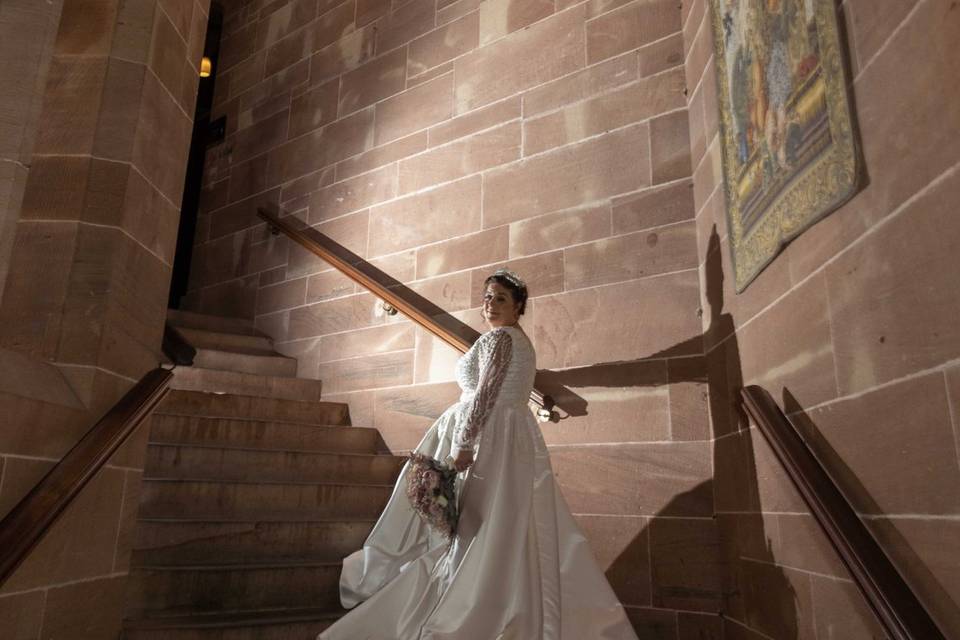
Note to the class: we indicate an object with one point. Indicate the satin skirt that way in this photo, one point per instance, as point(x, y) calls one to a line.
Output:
point(518, 569)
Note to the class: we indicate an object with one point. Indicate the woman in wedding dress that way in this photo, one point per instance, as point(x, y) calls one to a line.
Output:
point(518, 567)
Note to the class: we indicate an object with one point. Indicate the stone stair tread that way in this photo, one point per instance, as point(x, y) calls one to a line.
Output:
point(251, 520)
point(191, 320)
point(252, 565)
point(201, 404)
point(293, 450)
point(325, 483)
point(256, 361)
point(210, 339)
point(257, 352)
point(231, 618)
point(198, 378)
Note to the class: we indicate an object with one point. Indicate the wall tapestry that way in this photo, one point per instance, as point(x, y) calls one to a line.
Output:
point(789, 154)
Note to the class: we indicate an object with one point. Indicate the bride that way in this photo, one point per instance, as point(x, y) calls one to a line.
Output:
point(518, 568)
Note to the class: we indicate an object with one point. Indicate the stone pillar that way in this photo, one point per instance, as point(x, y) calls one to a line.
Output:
point(94, 244)
point(27, 31)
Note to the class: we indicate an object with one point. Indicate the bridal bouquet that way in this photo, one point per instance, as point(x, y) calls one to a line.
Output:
point(430, 487)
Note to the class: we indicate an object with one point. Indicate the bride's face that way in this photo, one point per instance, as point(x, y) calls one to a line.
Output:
point(499, 308)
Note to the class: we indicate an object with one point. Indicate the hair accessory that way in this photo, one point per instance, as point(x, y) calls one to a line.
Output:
point(512, 277)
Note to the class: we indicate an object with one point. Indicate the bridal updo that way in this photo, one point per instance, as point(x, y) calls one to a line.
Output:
point(512, 283)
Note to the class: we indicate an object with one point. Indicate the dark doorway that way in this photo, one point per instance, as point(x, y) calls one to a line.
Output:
point(203, 135)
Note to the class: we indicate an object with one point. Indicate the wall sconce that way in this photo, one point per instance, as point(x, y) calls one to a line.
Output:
point(206, 67)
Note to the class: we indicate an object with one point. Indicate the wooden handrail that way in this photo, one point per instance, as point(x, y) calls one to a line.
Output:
point(29, 520)
point(896, 606)
point(418, 309)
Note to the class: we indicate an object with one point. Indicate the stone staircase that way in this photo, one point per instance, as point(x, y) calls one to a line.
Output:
point(253, 492)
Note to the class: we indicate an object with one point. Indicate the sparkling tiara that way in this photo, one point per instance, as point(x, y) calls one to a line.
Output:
point(512, 277)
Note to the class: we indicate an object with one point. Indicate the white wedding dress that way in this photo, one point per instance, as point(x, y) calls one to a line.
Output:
point(519, 568)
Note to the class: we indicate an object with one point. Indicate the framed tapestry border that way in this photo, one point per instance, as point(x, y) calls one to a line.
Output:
point(760, 227)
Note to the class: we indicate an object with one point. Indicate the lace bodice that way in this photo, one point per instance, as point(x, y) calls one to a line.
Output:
point(497, 370)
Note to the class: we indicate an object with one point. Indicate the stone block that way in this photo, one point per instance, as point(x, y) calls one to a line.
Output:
point(777, 600)
point(334, 316)
point(630, 27)
point(633, 103)
point(499, 18)
point(366, 342)
point(237, 45)
point(670, 147)
point(575, 175)
point(71, 105)
point(627, 257)
point(86, 31)
point(133, 30)
point(604, 480)
point(444, 44)
point(467, 156)
point(284, 21)
point(88, 609)
point(81, 543)
point(653, 207)
point(463, 252)
point(284, 295)
point(558, 230)
point(841, 612)
point(251, 71)
point(417, 108)
point(353, 194)
point(313, 109)
point(685, 564)
point(297, 190)
point(334, 24)
point(315, 150)
point(119, 110)
point(661, 55)
point(694, 626)
point(162, 141)
point(346, 54)
point(168, 50)
point(804, 545)
point(581, 85)
point(284, 53)
point(370, 10)
point(655, 624)
point(587, 326)
point(248, 178)
point(406, 22)
point(373, 81)
point(477, 120)
point(384, 154)
point(622, 549)
point(689, 399)
point(21, 615)
point(328, 284)
point(547, 50)
point(56, 188)
point(885, 326)
point(349, 231)
point(804, 364)
point(887, 450)
point(448, 10)
point(435, 360)
point(368, 372)
point(264, 136)
point(447, 211)
point(242, 215)
point(872, 24)
point(609, 403)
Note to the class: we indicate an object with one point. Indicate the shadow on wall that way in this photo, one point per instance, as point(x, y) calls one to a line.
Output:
point(721, 565)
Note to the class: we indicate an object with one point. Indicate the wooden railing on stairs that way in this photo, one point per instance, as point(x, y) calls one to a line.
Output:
point(25, 525)
point(897, 607)
point(418, 309)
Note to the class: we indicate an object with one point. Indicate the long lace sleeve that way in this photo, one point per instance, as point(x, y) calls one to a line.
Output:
point(495, 358)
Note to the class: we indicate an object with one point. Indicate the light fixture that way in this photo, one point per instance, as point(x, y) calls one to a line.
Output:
point(206, 67)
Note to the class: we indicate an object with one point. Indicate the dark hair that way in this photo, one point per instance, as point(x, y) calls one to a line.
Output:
point(518, 293)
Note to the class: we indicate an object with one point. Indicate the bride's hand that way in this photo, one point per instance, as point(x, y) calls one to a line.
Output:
point(463, 460)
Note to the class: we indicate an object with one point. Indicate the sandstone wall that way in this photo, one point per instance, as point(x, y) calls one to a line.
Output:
point(85, 301)
point(440, 140)
point(852, 329)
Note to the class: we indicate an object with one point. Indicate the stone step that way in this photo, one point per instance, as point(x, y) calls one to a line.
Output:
point(268, 363)
point(189, 542)
point(216, 500)
point(220, 405)
point(239, 342)
point(263, 465)
point(247, 384)
point(220, 324)
point(278, 624)
point(235, 432)
point(172, 590)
